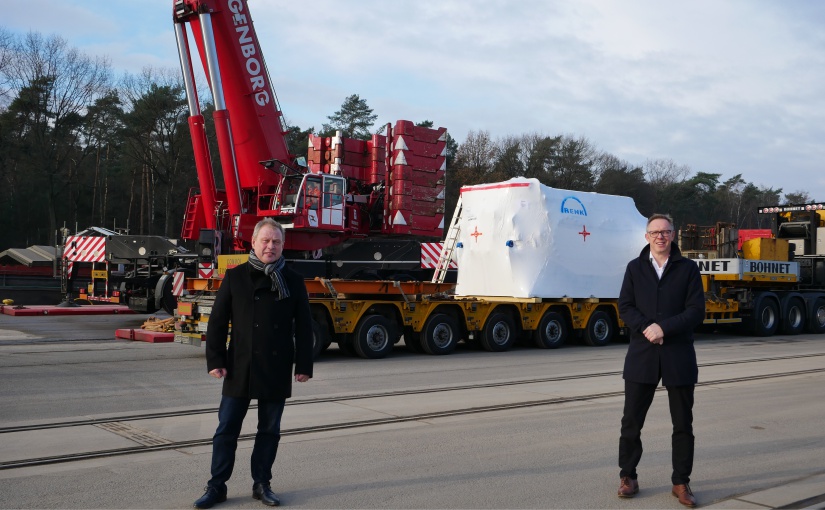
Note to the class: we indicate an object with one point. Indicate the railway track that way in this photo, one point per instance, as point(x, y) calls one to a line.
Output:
point(158, 444)
point(315, 400)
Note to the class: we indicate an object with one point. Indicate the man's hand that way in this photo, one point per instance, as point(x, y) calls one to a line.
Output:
point(301, 377)
point(217, 373)
point(654, 334)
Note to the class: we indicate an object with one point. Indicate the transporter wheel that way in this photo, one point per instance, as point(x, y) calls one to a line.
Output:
point(816, 317)
point(412, 341)
point(793, 316)
point(168, 301)
point(345, 342)
point(499, 333)
point(374, 337)
point(320, 339)
point(600, 329)
point(552, 331)
point(321, 318)
point(765, 318)
point(439, 334)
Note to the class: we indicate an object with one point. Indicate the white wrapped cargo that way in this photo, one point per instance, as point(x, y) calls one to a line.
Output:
point(523, 239)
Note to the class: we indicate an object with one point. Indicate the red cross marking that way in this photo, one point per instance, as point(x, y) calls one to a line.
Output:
point(476, 233)
point(584, 233)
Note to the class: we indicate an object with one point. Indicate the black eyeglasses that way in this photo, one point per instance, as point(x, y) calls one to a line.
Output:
point(659, 233)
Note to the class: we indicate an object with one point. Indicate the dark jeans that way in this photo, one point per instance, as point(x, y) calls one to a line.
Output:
point(225, 442)
point(637, 400)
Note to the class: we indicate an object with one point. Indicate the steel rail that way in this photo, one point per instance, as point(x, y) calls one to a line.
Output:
point(41, 461)
point(361, 396)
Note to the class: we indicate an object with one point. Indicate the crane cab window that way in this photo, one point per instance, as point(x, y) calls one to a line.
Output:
point(312, 192)
point(333, 191)
point(290, 188)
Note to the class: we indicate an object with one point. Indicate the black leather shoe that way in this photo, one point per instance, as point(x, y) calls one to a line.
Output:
point(209, 498)
point(263, 492)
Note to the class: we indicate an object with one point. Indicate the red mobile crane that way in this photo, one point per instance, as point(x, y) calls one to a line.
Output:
point(361, 188)
point(356, 208)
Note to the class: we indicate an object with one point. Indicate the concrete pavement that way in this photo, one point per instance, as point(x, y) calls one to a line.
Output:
point(759, 441)
point(551, 456)
point(805, 493)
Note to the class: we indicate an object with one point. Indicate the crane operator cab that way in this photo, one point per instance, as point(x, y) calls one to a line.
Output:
point(317, 197)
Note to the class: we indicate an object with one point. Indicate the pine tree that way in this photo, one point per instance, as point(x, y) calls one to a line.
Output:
point(354, 119)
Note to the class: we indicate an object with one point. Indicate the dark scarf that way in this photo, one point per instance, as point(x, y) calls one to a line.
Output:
point(273, 271)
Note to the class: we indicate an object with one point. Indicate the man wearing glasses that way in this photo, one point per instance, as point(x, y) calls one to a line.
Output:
point(662, 302)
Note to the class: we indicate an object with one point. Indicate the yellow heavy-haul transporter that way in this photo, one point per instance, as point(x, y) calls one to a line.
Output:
point(368, 318)
point(773, 284)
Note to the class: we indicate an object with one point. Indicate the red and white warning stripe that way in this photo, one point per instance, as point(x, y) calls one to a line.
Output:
point(205, 270)
point(177, 283)
point(84, 249)
point(430, 253)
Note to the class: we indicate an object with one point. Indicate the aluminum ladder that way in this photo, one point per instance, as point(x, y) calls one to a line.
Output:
point(447, 248)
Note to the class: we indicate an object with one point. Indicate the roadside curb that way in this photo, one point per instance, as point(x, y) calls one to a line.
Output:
point(803, 493)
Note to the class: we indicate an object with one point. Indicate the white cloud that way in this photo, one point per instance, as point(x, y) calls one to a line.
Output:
point(726, 87)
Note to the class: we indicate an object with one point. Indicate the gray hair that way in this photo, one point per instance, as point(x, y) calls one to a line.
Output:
point(659, 216)
point(268, 222)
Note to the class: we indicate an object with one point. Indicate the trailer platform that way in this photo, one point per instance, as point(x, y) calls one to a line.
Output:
point(29, 311)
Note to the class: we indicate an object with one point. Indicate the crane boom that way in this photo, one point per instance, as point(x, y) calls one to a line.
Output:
point(390, 185)
point(254, 130)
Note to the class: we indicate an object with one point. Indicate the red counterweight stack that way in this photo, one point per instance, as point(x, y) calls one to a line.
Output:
point(319, 156)
point(339, 156)
point(414, 184)
point(377, 163)
point(418, 162)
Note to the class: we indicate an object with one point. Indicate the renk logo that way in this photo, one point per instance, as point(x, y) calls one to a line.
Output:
point(574, 206)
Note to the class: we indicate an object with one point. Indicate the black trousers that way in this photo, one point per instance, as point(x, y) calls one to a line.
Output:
point(637, 400)
point(230, 417)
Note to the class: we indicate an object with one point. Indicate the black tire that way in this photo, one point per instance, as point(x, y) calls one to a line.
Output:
point(816, 317)
point(793, 316)
point(321, 318)
point(600, 329)
point(552, 331)
point(374, 337)
point(345, 341)
point(413, 341)
point(765, 317)
point(439, 334)
point(498, 333)
point(168, 301)
point(320, 339)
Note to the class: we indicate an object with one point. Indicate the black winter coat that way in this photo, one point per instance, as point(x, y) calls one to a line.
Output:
point(677, 304)
point(261, 351)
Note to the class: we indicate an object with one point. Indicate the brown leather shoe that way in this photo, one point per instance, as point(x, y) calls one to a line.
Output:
point(628, 487)
point(685, 495)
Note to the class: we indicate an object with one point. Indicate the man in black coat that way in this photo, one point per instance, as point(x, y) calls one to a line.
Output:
point(262, 298)
point(662, 302)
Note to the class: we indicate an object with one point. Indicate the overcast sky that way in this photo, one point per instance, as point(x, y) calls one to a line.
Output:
point(721, 86)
